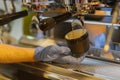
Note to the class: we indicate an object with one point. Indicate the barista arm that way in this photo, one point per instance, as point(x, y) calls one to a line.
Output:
point(12, 54)
point(59, 54)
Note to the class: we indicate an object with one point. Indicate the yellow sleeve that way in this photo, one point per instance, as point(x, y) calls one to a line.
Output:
point(12, 54)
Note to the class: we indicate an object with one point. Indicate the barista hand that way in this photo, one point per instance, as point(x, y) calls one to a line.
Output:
point(55, 53)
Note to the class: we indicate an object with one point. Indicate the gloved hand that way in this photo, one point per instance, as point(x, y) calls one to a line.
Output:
point(56, 53)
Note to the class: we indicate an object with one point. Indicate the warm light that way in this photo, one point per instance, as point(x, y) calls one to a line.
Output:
point(57, 77)
point(106, 47)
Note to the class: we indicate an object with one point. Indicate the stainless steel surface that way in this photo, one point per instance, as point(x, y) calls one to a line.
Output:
point(45, 70)
point(53, 72)
point(90, 68)
point(97, 67)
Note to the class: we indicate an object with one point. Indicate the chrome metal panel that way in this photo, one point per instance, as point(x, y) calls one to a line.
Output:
point(90, 68)
point(53, 72)
point(97, 67)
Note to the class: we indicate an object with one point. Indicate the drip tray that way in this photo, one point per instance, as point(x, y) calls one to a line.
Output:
point(100, 68)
